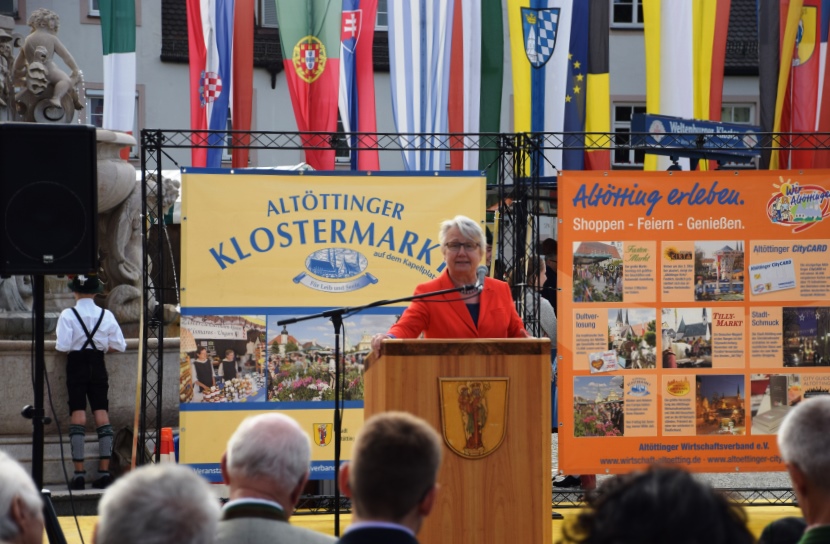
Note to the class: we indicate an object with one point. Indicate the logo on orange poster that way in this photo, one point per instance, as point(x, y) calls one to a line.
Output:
point(679, 388)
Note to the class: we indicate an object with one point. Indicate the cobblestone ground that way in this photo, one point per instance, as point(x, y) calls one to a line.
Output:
point(753, 480)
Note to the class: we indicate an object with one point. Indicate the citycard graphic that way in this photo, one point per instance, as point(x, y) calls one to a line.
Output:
point(772, 276)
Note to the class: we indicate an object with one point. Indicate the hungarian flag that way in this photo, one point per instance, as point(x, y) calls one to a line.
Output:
point(357, 81)
point(210, 39)
point(540, 38)
point(420, 39)
point(310, 40)
point(118, 38)
point(476, 79)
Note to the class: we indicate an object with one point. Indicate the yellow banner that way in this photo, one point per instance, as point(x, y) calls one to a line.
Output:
point(260, 248)
point(280, 240)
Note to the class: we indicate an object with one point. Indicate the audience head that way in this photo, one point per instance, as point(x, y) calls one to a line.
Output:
point(268, 455)
point(804, 442)
point(661, 504)
point(21, 508)
point(158, 504)
point(393, 471)
point(783, 531)
point(536, 273)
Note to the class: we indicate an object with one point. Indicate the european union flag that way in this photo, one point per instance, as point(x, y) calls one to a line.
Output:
point(575, 92)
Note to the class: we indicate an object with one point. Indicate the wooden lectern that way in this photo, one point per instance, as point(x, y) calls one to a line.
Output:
point(496, 475)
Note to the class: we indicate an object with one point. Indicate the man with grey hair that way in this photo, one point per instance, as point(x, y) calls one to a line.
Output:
point(391, 479)
point(804, 441)
point(266, 465)
point(158, 504)
point(21, 507)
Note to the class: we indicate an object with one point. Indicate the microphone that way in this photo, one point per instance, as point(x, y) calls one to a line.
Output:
point(481, 272)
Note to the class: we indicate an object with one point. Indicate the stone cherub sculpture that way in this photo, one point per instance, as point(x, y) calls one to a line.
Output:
point(49, 94)
point(121, 249)
point(7, 40)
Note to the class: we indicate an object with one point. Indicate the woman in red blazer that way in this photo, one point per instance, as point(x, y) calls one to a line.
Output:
point(488, 314)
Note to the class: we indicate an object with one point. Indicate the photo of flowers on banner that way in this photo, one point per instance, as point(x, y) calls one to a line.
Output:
point(301, 357)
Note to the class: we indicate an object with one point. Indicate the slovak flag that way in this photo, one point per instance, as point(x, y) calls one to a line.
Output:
point(356, 98)
point(210, 38)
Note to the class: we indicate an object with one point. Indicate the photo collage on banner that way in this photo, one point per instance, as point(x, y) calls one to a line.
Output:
point(699, 315)
point(264, 251)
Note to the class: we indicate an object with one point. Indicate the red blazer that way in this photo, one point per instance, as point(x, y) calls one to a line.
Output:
point(497, 317)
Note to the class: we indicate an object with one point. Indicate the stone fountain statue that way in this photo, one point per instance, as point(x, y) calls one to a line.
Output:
point(48, 94)
point(37, 89)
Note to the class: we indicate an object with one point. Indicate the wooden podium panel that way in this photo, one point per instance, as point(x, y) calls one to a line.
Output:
point(504, 496)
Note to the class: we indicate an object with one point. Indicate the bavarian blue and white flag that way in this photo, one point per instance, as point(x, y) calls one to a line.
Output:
point(420, 35)
point(540, 36)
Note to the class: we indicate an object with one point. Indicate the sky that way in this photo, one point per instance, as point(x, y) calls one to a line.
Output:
point(723, 385)
point(635, 315)
point(588, 386)
point(321, 329)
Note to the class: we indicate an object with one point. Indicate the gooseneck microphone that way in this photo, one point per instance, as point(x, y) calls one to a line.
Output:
point(481, 273)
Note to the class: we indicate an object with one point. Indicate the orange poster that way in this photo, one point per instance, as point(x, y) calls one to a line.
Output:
point(698, 309)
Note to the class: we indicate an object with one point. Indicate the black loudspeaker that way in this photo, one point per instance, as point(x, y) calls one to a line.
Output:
point(48, 199)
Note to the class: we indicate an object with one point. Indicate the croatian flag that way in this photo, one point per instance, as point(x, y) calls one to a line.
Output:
point(357, 80)
point(210, 35)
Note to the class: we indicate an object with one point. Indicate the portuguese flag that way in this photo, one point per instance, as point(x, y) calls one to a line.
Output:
point(118, 37)
point(310, 40)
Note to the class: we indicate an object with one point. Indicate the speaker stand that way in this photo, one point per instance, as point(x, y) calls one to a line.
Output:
point(37, 413)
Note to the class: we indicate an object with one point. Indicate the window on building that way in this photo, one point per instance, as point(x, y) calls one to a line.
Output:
point(10, 8)
point(227, 152)
point(623, 157)
point(266, 13)
point(743, 114)
point(93, 9)
point(94, 115)
point(626, 13)
point(382, 20)
point(342, 149)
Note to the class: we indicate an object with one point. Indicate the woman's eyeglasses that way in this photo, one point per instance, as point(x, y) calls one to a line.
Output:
point(455, 247)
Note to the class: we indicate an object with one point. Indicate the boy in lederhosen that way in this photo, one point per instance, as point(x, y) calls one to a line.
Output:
point(86, 332)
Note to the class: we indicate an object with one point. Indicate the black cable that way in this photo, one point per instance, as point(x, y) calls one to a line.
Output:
point(63, 459)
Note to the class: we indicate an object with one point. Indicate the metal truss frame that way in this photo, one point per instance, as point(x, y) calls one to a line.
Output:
point(517, 183)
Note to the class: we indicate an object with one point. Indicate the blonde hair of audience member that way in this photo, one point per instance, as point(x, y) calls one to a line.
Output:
point(158, 504)
point(393, 471)
point(268, 456)
point(21, 507)
point(804, 442)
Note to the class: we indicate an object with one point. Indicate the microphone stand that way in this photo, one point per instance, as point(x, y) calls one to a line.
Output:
point(336, 316)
